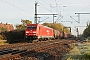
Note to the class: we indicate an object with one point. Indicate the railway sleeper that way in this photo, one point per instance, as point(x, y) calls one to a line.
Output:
point(18, 52)
point(6, 51)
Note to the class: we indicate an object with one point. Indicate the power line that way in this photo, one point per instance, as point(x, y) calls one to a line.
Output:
point(43, 20)
point(46, 2)
point(15, 6)
point(45, 7)
point(57, 6)
point(84, 8)
point(74, 19)
point(57, 10)
point(48, 5)
point(51, 5)
point(59, 18)
point(79, 16)
point(24, 4)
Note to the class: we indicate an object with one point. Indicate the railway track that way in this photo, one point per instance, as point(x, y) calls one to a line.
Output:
point(39, 50)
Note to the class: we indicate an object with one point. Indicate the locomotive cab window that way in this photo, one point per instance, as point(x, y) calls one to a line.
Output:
point(34, 27)
point(31, 27)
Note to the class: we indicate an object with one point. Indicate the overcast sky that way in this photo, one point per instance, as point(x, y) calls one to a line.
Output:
point(12, 11)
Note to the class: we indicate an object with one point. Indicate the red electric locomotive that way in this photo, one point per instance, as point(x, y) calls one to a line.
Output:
point(37, 31)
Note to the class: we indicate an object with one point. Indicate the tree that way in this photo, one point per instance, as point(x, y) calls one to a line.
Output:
point(23, 25)
point(57, 26)
point(2, 29)
point(86, 32)
point(25, 22)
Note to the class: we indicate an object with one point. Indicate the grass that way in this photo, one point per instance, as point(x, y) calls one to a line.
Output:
point(80, 52)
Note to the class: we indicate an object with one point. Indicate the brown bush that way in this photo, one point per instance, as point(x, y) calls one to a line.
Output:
point(1, 37)
point(13, 36)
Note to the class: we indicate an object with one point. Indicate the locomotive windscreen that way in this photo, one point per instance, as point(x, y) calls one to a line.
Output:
point(31, 27)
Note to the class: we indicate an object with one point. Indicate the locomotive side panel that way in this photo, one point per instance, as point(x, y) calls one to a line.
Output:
point(45, 32)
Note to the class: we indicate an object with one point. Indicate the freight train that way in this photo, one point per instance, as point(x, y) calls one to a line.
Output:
point(38, 31)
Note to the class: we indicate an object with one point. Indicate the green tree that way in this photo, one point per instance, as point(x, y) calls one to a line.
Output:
point(23, 25)
point(2, 29)
point(57, 26)
point(20, 27)
point(86, 32)
point(25, 22)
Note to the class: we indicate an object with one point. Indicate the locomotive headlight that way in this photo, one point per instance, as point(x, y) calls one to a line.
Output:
point(34, 32)
point(27, 32)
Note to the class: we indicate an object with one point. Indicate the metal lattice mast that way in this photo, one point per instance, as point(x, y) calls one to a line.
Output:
point(35, 21)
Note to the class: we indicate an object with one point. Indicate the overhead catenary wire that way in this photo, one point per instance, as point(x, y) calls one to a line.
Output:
point(24, 4)
point(44, 6)
point(57, 6)
point(50, 10)
point(49, 4)
point(46, 2)
point(15, 6)
point(57, 10)
point(59, 18)
point(59, 13)
point(85, 7)
point(74, 19)
point(43, 20)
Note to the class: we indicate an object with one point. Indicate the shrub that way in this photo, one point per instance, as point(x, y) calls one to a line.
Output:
point(1, 37)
